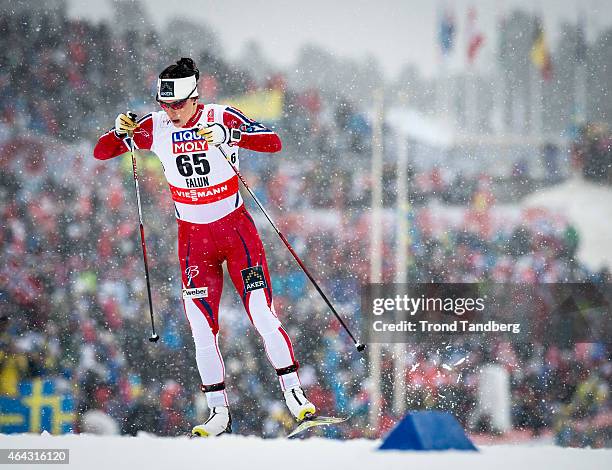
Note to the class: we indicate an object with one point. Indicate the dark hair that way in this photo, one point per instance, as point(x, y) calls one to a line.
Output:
point(185, 67)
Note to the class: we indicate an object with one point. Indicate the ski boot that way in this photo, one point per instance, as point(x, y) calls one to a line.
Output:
point(219, 422)
point(298, 404)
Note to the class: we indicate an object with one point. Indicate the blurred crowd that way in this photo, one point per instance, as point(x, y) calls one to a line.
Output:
point(73, 303)
point(592, 152)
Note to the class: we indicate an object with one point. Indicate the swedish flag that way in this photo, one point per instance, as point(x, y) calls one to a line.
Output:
point(37, 407)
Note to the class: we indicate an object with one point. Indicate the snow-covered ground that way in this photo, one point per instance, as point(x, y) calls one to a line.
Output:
point(238, 452)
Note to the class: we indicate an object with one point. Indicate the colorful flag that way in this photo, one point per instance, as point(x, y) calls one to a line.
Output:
point(540, 55)
point(475, 37)
point(447, 32)
point(37, 407)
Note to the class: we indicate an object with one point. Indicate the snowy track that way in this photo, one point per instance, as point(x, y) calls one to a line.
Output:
point(238, 452)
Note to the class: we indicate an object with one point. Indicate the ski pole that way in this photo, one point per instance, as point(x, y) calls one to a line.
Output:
point(360, 347)
point(154, 336)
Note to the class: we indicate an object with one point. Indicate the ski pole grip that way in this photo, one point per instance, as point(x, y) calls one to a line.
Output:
point(133, 116)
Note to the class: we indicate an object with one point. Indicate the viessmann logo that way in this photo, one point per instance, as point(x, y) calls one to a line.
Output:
point(188, 141)
point(199, 195)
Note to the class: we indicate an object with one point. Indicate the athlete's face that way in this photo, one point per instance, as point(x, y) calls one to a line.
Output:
point(181, 115)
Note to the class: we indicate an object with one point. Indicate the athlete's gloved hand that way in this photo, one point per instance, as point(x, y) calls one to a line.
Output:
point(126, 124)
point(215, 134)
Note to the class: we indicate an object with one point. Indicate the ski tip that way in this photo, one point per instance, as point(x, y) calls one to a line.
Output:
point(313, 421)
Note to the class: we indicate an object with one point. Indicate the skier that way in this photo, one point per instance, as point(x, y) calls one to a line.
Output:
point(190, 139)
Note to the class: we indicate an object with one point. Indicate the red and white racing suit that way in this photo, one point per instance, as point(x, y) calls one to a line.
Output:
point(213, 227)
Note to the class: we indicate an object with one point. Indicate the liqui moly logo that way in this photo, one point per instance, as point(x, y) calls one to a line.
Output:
point(188, 141)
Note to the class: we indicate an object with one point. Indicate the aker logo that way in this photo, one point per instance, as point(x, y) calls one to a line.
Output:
point(188, 141)
point(253, 278)
point(195, 293)
point(166, 89)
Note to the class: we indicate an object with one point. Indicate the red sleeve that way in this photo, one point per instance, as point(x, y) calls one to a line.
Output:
point(110, 145)
point(255, 136)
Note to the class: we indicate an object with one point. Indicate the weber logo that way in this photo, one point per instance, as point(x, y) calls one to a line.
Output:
point(195, 293)
point(166, 89)
point(253, 278)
